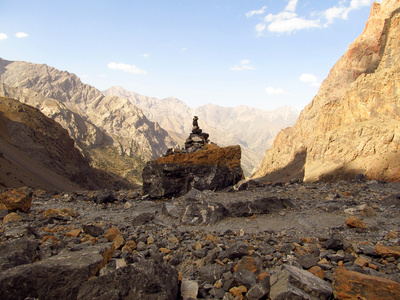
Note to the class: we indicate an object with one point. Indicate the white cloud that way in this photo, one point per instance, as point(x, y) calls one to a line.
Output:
point(21, 35)
point(276, 91)
point(84, 76)
point(3, 36)
point(256, 12)
point(146, 55)
point(310, 79)
point(291, 5)
point(288, 21)
point(244, 65)
point(126, 68)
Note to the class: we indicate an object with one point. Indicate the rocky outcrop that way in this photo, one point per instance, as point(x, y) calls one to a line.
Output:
point(112, 133)
point(214, 168)
point(253, 129)
point(352, 125)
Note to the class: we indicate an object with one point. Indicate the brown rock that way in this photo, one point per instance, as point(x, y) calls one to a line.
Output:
point(362, 261)
point(130, 246)
point(385, 251)
point(50, 237)
point(119, 241)
point(12, 217)
point(214, 168)
point(112, 233)
point(238, 290)
point(246, 263)
point(355, 222)
point(354, 285)
point(61, 213)
point(317, 271)
point(16, 199)
point(73, 233)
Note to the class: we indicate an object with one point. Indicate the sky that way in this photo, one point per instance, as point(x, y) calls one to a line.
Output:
point(260, 53)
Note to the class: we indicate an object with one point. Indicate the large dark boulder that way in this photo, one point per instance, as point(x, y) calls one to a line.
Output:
point(146, 279)
point(58, 277)
point(214, 168)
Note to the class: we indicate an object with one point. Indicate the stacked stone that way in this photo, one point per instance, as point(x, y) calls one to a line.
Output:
point(197, 139)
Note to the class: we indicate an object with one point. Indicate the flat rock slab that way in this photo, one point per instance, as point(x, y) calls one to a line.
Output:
point(290, 282)
point(58, 277)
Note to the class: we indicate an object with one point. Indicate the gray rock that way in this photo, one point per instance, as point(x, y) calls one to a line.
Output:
point(146, 279)
point(257, 291)
point(15, 252)
point(307, 261)
point(92, 230)
point(237, 250)
point(211, 273)
point(58, 277)
point(245, 277)
point(189, 289)
point(289, 282)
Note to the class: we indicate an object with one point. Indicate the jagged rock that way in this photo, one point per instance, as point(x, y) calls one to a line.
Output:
point(58, 277)
point(214, 168)
point(146, 279)
point(15, 252)
point(189, 289)
point(354, 285)
point(289, 282)
point(352, 125)
point(16, 199)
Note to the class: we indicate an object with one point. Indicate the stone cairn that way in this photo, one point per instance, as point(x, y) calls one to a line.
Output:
point(195, 142)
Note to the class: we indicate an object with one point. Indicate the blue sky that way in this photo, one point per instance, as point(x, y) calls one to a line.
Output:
point(261, 53)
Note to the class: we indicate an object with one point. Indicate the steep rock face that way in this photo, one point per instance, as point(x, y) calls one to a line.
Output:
point(253, 129)
point(352, 125)
point(36, 151)
point(109, 130)
point(214, 168)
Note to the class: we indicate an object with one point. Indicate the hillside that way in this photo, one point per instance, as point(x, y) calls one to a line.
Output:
point(253, 129)
point(36, 151)
point(111, 132)
point(352, 125)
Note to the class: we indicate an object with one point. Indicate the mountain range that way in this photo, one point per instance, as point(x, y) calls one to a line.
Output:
point(253, 129)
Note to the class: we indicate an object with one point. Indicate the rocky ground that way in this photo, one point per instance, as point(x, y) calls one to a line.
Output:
point(290, 241)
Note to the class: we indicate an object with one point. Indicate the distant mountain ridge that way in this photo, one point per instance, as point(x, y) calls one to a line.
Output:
point(253, 129)
point(111, 132)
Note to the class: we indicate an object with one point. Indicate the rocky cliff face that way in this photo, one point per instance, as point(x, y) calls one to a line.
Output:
point(252, 129)
point(113, 133)
point(36, 151)
point(352, 125)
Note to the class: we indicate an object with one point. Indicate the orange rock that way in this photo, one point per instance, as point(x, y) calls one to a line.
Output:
point(119, 241)
point(317, 271)
point(354, 285)
point(246, 263)
point(165, 250)
point(355, 222)
point(112, 233)
point(392, 235)
point(262, 276)
point(238, 290)
point(362, 261)
point(197, 246)
point(16, 199)
point(73, 233)
point(385, 251)
point(210, 237)
point(130, 246)
point(11, 217)
point(47, 237)
point(61, 213)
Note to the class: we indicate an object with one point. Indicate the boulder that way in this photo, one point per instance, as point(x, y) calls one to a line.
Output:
point(146, 279)
point(16, 199)
point(15, 252)
point(289, 282)
point(58, 277)
point(355, 285)
point(214, 168)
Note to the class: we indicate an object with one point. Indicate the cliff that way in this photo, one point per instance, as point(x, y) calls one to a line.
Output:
point(352, 124)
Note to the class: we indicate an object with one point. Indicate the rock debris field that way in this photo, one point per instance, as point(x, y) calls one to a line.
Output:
point(283, 241)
